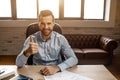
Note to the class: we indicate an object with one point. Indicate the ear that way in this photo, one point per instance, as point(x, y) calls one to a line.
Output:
point(53, 25)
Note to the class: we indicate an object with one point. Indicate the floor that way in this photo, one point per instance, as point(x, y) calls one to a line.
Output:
point(114, 70)
point(7, 60)
point(10, 60)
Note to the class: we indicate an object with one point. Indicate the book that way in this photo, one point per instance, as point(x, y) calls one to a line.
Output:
point(21, 77)
point(6, 71)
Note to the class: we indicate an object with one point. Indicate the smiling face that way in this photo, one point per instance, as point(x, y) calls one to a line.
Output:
point(46, 25)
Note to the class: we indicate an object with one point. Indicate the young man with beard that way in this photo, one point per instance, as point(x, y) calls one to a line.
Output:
point(45, 46)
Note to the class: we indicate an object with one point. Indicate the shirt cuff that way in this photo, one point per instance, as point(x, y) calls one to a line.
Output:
point(62, 66)
point(21, 60)
point(24, 58)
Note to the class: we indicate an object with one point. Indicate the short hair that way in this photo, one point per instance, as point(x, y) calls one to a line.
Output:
point(44, 13)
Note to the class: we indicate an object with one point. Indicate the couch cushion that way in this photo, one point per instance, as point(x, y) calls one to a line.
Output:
point(79, 53)
point(95, 53)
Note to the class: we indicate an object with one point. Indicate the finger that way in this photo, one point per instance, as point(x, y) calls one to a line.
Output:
point(35, 51)
point(42, 70)
point(31, 38)
point(34, 48)
point(46, 72)
point(34, 45)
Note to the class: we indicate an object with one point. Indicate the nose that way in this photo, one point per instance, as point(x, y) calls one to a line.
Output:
point(45, 26)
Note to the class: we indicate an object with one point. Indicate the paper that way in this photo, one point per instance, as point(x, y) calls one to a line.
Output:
point(7, 71)
point(66, 75)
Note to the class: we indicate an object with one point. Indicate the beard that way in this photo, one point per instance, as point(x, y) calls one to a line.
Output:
point(46, 32)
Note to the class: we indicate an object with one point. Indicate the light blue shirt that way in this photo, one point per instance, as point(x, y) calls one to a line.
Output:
point(49, 52)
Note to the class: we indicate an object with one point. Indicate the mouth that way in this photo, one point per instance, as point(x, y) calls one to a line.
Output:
point(46, 32)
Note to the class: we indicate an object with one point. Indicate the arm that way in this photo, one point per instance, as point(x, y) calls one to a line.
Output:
point(29, 48)
point(108, 44)
point(71, 59)
point(21, 58)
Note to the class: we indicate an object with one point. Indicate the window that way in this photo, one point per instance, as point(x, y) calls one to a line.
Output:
point(93, 9)
point(26, 9)
point(62, 9)
point(5, 8)
point(72, 8)
point(52, 5)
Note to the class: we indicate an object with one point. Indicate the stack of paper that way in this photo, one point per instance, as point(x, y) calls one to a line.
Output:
point(6, 71)
point(66, 75)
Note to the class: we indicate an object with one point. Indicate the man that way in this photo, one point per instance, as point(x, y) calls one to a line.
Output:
point(46, 47)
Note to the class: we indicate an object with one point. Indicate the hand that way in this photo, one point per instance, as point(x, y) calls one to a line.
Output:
point(49, 70)
point(32, 49)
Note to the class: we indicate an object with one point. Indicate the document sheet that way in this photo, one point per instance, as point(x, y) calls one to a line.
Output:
point(66, 75)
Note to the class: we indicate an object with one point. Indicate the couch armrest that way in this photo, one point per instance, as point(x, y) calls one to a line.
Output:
point(108, 44)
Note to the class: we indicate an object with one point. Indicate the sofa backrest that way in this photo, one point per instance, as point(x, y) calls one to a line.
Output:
point(83, 40)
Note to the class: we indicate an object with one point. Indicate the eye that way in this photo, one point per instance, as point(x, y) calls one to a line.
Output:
point(42, 23)
point(49, 23)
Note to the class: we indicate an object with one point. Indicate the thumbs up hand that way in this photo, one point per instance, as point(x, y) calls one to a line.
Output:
point(32, 49)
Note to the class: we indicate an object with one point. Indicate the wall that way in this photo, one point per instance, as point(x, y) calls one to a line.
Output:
point(11, 40)
point(117, 32)
point(12, 37)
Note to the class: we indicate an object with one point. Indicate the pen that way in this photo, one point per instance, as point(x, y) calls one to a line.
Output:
point(1, 72)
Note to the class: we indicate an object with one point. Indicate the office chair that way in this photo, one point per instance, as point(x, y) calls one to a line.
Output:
point(32, 28)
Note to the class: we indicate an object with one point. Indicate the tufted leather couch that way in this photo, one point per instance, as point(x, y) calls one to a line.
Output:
point(92, 48)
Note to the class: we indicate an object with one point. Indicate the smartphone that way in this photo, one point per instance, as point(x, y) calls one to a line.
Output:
point(21, 77)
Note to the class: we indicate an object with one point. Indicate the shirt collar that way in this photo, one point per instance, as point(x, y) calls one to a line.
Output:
point(52, 36)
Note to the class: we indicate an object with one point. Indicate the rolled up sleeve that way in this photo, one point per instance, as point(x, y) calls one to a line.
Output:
point(70, 56)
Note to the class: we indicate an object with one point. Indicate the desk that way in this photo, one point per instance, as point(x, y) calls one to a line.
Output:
point(96, 72)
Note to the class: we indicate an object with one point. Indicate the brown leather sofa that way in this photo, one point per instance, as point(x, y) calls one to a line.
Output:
point(92, 48)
